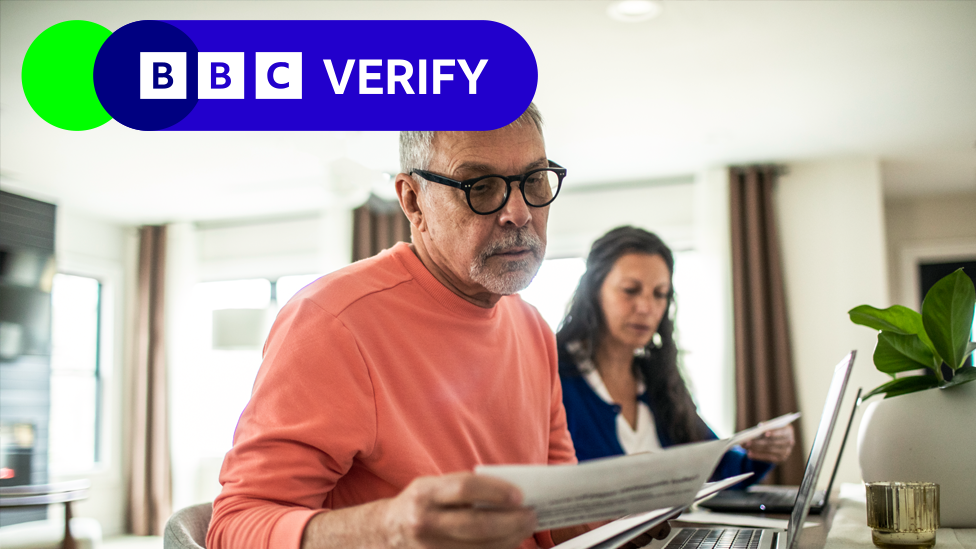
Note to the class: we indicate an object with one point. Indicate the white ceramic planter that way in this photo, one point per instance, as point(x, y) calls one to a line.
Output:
point(929, 436)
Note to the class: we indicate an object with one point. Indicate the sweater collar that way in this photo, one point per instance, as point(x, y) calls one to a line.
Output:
point(440, 293)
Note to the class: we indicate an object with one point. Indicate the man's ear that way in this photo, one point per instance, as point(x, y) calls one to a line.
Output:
point(408, 191)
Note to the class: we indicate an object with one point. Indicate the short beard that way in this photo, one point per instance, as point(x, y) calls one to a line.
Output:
point(518, 274)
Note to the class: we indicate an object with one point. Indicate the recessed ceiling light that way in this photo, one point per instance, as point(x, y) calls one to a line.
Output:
point(633, 10)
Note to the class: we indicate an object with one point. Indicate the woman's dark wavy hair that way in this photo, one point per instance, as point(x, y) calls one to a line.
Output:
point(658, 367)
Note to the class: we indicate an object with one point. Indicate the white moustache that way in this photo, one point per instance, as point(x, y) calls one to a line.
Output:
point(520, 238)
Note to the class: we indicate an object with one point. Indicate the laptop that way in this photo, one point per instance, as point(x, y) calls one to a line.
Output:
point(768, 538)
point(761, 498)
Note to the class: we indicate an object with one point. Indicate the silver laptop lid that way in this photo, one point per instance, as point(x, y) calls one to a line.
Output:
point(815, 462)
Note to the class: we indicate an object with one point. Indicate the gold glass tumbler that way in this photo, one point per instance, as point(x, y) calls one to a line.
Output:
point(903, 514)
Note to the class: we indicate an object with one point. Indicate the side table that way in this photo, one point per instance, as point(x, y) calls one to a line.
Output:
point(32, 495)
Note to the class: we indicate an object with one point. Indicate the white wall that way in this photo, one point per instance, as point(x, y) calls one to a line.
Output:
point(711, 374)
point(309, 243)
point(580, 216)
point(97, 249)
point(831, 218)
point(930, 227)
point(181, 360)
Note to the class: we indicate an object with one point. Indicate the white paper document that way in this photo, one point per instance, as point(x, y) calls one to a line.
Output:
point(762, 427)
point(565, 495)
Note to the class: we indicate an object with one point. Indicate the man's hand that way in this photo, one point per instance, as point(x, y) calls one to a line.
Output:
point(441, 512)
point(459, 510)
point(773, 446)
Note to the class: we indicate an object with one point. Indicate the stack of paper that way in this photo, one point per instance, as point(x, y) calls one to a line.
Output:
point(645, 489)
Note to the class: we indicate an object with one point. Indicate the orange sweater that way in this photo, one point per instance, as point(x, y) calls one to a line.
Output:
point(375, 375)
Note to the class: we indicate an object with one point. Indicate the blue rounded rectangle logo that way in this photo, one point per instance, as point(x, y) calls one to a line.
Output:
point(315, 75)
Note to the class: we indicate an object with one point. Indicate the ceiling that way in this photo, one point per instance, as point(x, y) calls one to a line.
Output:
point(704, 84)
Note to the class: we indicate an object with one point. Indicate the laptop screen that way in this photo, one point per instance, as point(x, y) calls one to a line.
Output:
point(843, 443)
point(819, 451)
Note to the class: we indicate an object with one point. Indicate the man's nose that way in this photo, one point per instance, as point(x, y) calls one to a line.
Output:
point(515, 210)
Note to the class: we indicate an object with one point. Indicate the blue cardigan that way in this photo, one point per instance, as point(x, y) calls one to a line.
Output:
point(593, 427)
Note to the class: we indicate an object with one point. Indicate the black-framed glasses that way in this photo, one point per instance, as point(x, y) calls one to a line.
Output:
point(488, 193)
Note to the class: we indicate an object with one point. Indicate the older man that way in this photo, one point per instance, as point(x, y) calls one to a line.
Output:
point(385, 383)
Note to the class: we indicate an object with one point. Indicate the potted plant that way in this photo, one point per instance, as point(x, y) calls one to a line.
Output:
point(926, 432)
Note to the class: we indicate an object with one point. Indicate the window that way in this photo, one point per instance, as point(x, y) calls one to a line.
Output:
point(222, 343)
point(930, 272)
point(75, 383)
point(553, 287)
point(287, 286)
point(231, 323)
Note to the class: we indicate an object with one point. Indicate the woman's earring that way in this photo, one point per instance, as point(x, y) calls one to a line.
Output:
point(656, 340)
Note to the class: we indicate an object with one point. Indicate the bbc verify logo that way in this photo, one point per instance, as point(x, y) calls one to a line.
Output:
point(278, 75)
point(163, 75)
point(294, 75)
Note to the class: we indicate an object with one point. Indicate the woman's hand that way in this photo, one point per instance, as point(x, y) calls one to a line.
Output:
point(773, 446)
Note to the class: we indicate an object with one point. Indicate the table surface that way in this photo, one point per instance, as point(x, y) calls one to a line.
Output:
point(849, 529)
point(844, 525)
point(30, 495)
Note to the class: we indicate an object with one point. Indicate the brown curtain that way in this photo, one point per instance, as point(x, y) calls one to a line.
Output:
point(377, 225)
point(763, 360)
point(150, 489)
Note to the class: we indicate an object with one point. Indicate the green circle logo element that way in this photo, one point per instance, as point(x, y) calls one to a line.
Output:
point(57, 75)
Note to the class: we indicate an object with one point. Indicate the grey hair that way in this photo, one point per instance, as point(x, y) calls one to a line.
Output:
point(416, 148)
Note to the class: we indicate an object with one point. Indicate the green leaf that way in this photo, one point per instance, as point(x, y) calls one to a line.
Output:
point(897, 319)
point(903, 386)
point(895, 353)
point(962, 375)
point(919, 383)
point(910, 346)
point(947, 314)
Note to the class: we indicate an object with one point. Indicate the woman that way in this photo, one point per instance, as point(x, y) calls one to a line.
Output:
point(619, 364)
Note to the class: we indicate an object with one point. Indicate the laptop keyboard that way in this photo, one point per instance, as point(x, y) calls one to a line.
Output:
point(718, 538)
point(785, 498)
point(770, 499)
